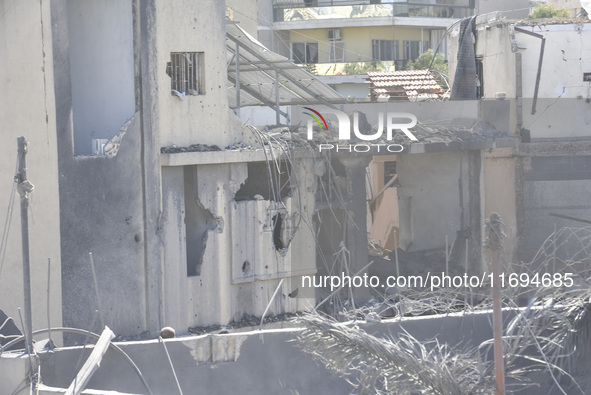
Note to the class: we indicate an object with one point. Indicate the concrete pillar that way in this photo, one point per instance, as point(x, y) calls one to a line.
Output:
point(356, 225)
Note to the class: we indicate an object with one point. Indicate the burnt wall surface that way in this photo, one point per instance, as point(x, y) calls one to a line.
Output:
point(101, 212)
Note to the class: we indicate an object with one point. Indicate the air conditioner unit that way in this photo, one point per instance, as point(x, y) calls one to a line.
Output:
point(334, 34)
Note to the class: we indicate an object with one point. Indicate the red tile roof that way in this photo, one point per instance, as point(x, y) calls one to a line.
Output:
point(404, 85)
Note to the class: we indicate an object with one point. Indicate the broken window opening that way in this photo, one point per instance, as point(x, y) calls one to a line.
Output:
point(278, 241)
point(262, 185)
point(185, 70)
point(198, 223)
point(101, 70)
point(383, 221)
point(479, 77)
point(389, 172)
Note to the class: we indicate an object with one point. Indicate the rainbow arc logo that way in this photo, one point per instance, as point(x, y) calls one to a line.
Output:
point(316, 118)
point(389, 123)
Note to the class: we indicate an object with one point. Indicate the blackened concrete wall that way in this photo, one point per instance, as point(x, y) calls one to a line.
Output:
point(102, 205)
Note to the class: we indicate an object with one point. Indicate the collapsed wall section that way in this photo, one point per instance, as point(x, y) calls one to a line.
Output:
point(245, 247)
point(102, 214)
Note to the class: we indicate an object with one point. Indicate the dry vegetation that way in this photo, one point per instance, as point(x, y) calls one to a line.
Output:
point(544, 340)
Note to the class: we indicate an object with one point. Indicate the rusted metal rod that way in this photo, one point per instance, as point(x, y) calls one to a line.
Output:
point(494, 244)
point(24, 187)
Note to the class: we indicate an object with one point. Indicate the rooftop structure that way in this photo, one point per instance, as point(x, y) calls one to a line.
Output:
point(413, 85)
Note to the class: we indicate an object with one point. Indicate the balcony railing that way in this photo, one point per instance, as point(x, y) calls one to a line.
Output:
point(322, 10)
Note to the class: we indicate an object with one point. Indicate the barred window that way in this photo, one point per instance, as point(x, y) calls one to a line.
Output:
point(186, 73)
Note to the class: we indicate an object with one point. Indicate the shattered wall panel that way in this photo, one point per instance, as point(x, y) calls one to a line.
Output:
point(247, 250)
point(257, 254)
point(249, 220)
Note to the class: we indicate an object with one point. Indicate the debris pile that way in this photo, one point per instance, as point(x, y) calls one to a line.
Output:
point(296, 137)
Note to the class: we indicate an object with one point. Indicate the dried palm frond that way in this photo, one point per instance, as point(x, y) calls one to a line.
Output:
point(547, 336)
point(550, 333)
point(392, 366)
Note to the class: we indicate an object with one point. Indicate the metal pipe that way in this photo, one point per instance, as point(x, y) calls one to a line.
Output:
point(497, 324)
point(461, 189)
point(518, 92)
point(96, 291)
point(585, 221)
point(446, 254)
point(396, 253)
point(412, 219)
point(277, 101)
point(554, 249)
point(27, 340)
point(538, 76)
point(237, 54)
point(176, 379)
point(48, 302)
point(540, 61)
point(24, 187)
point(270, 301)
point(494, 244)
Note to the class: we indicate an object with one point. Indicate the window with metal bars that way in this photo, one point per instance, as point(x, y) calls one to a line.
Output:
point(186, 73)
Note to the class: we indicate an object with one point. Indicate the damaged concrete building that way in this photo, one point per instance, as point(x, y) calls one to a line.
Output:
point(535, 74)
point(133, 110)
point(159, 207)
point(435, 189)
point(186, 220)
